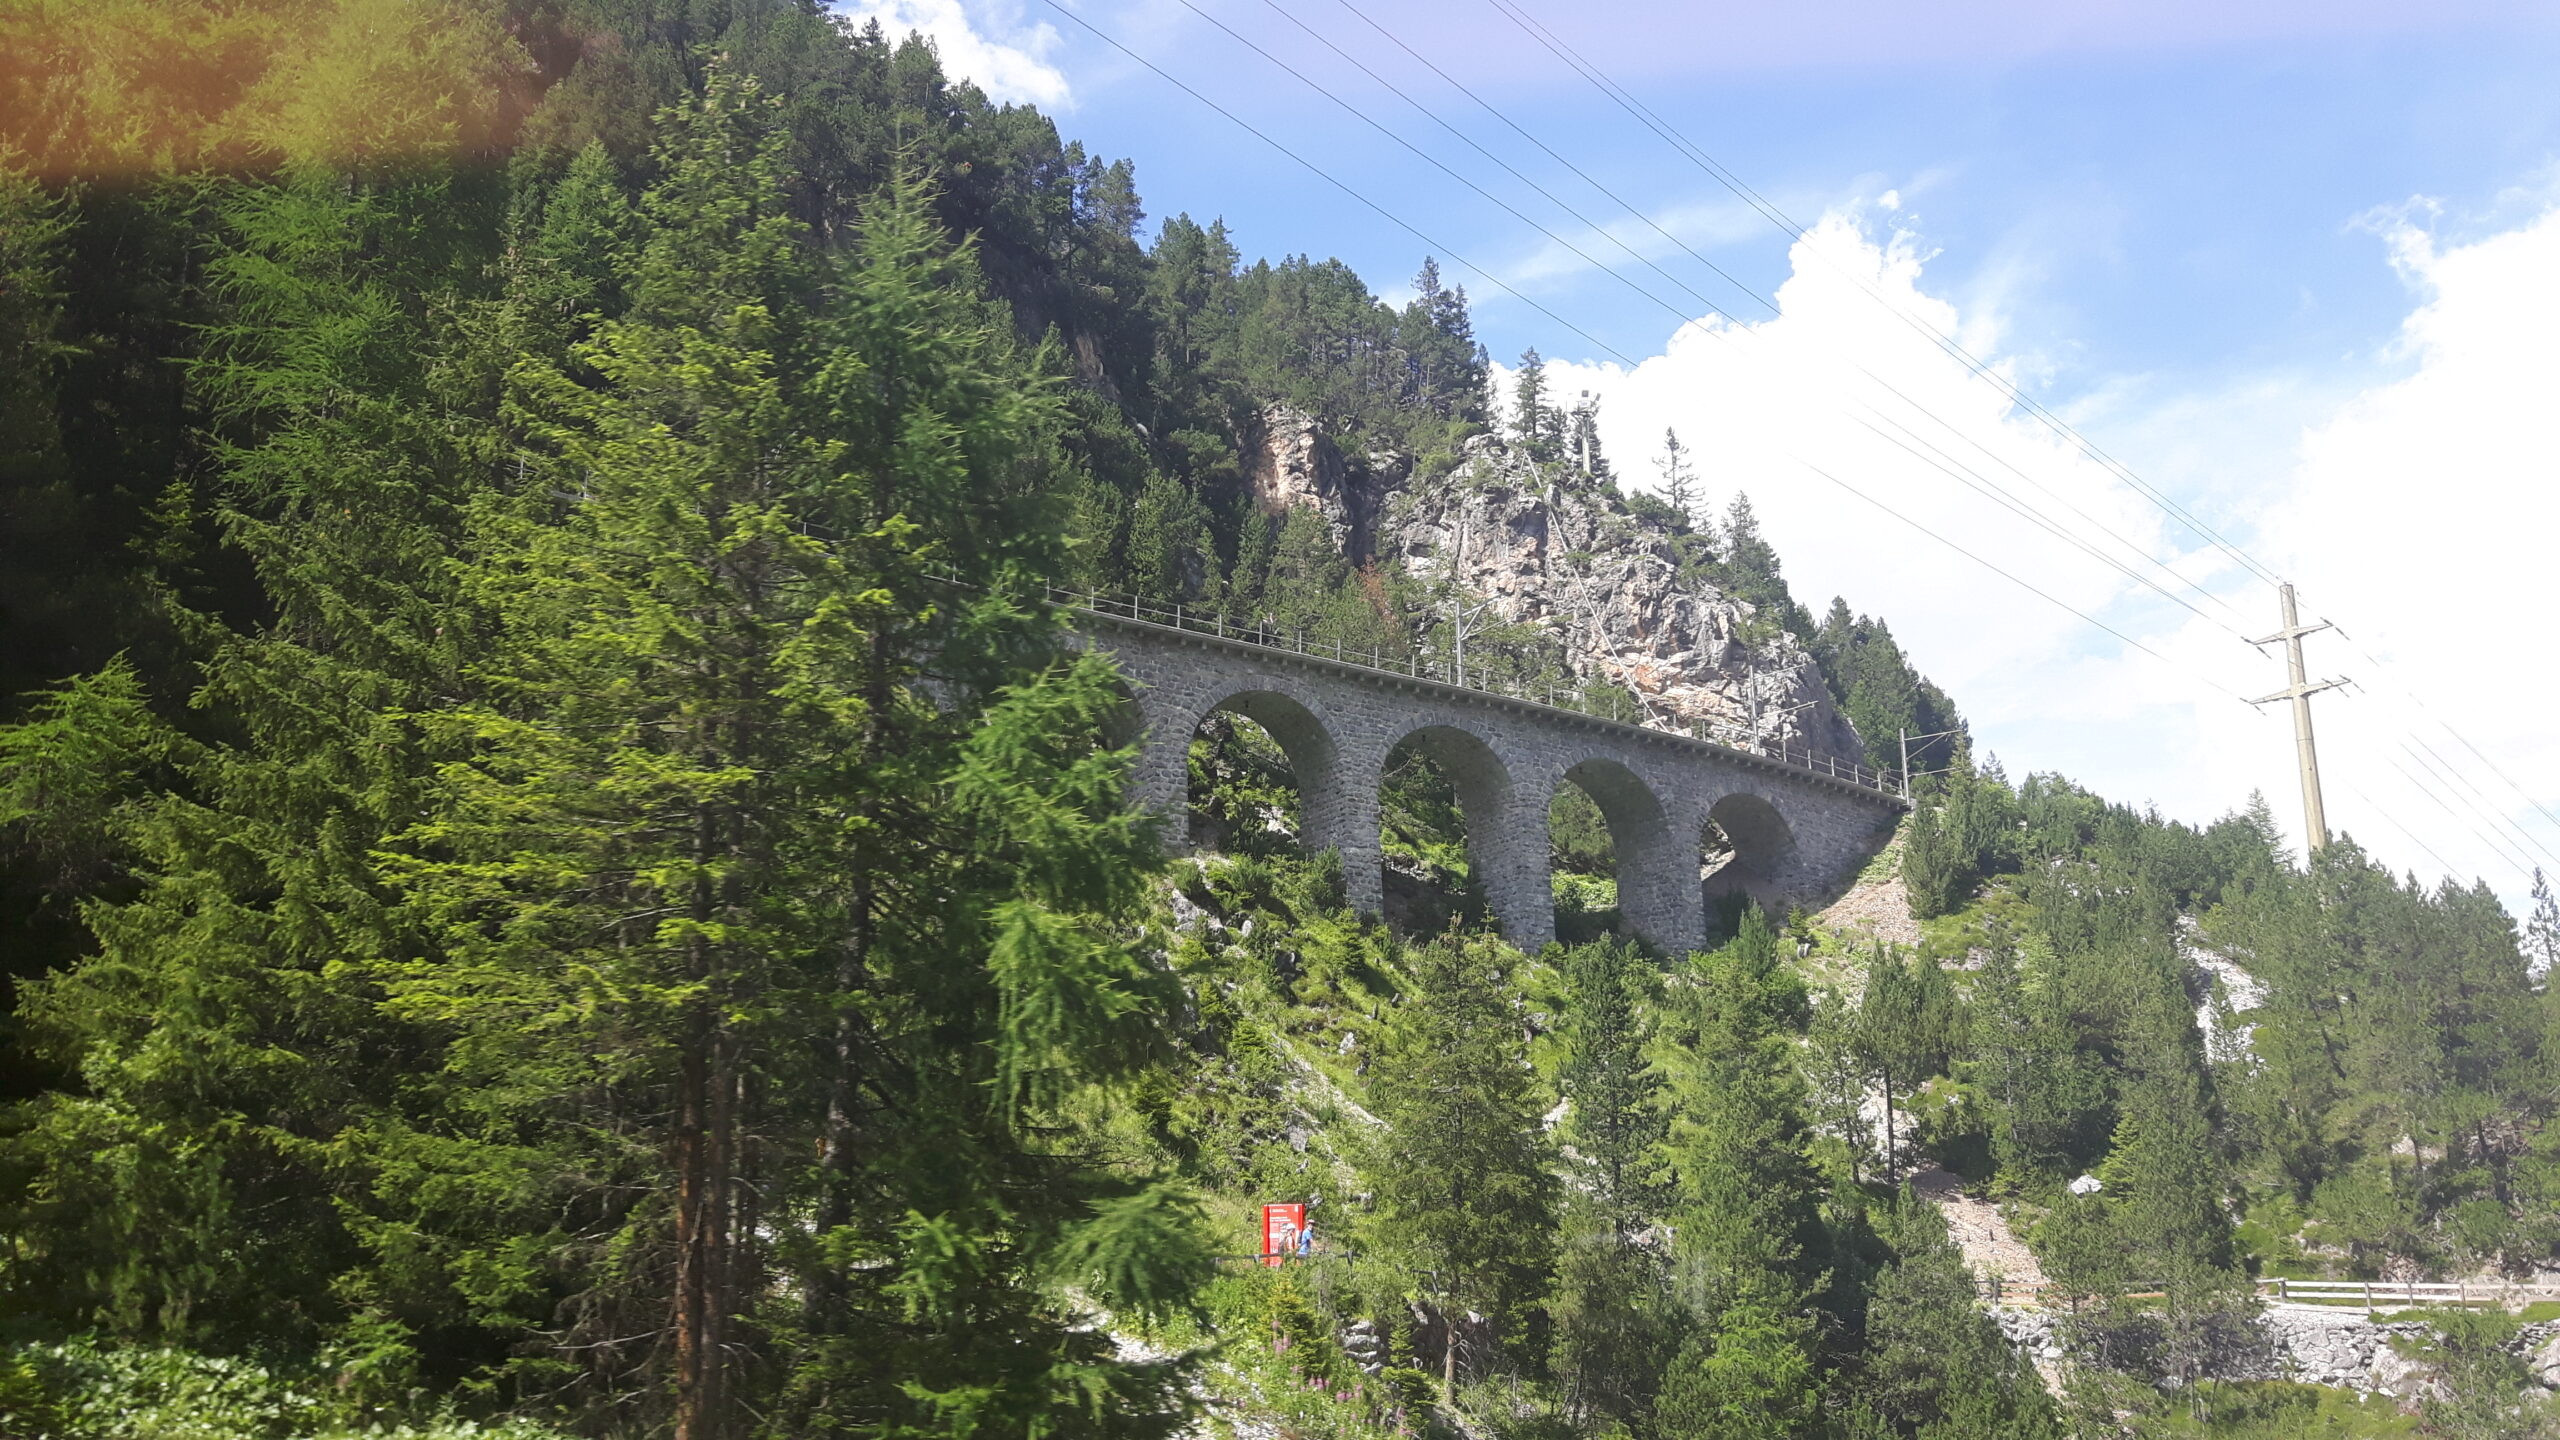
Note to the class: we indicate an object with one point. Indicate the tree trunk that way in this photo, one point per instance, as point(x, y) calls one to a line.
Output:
point(698, 1241)
point(705, 1174)
point(1892, 1173)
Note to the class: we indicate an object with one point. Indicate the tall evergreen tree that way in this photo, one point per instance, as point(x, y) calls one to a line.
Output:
point(1679, 476)
point(1537, 422)
point(1439, 340)
point(1937, 1367)
point(1748, 1206)
point(1748, 568)
point(2039, 1087)
point(2542, 928)
point(1882, 695)
point(2165, 1182)
point(1466, 1195)
point(1612, 1321)
point(1906, 1031)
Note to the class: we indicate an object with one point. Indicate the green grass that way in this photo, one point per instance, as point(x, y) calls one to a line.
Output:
point(2275, 1410)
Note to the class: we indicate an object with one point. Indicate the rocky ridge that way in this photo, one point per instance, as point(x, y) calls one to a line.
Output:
point(1550, 550)
point(2318, 1345)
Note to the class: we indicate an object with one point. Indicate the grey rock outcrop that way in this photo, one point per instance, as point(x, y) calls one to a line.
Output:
point(2316, 1345)
point(1570, 559)
point(1292, 464)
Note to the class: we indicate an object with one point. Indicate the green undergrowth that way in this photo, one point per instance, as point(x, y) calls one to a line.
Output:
point(82, 1391)
point(2263, 1410)
point(1278, 1361)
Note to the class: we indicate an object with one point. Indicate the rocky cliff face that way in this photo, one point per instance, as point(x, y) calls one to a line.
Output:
point(2313, 1345)
point(1568, 560)
point(1291, 464)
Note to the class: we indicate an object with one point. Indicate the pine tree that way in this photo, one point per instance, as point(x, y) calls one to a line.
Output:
point(1191, 292)
point(1747, 1213)
point(1438, 339)
point(1882, 695)
point(1609, 1308)
point(1679, 476)
point(1616, 1118)
point(1466, 1197)
point(1905, 1031)
point(1169, 555)
point(1537, 424)
point(2165, 1181)
point(1748, 569)
point(1936, 1366)
point(2037, 1085)
point(2542, 928)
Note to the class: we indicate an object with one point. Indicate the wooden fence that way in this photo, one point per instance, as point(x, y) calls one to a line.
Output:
point(2369, 1294)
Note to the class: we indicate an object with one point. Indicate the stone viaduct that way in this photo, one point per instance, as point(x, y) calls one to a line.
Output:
point(1796, 832)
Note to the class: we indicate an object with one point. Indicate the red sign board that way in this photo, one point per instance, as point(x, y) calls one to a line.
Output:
point(1285, 1233)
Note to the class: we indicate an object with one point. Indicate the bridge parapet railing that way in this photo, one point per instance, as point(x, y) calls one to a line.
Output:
point(1611, 703)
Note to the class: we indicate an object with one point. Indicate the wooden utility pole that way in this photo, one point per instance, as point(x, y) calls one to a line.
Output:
point(2315, 821)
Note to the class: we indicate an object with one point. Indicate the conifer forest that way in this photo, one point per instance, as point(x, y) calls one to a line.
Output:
point(560, 875)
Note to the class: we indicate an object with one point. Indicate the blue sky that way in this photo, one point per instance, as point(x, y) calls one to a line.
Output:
point(2297, 265)
point(2160, 201)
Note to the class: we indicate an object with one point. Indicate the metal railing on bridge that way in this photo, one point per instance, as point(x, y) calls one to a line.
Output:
point(1609, 703)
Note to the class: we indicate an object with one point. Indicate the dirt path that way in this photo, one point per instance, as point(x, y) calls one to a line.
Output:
point(1876, 908)
point(1978, 1229)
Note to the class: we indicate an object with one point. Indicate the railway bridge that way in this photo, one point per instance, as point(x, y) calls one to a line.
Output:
point(1798, 826)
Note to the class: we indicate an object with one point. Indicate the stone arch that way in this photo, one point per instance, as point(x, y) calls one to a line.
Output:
point(1759, 848)
point(1506, 839)
point(1335, 812)
point(1125, 722)
point(1658, 895)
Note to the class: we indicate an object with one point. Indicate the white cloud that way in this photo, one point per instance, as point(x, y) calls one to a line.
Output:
point(2418, 512)
point(2422, 515)
point(993, 50)
point(1769, 407)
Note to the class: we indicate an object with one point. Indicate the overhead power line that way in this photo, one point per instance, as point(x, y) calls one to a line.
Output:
point(1472, 143)
point(1930, 454)
point(1961, 470)
point(2497, 837)
point(2421, 705)
point(2436, 798)
point(2442, 864)
point(1619, 95)
point(1514, 126)
point(1322, 174)
point(2141, 553)
point(1989, 374)
point(1940, 461)
point(2024, 584)
point(1429, 159)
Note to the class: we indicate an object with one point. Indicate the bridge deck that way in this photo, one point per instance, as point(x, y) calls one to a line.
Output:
point(1553, 702)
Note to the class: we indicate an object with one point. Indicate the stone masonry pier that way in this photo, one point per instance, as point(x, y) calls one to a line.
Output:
point(1797, 830)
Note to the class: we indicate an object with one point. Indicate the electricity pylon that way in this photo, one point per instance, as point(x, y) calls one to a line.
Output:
point(2315, 821)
